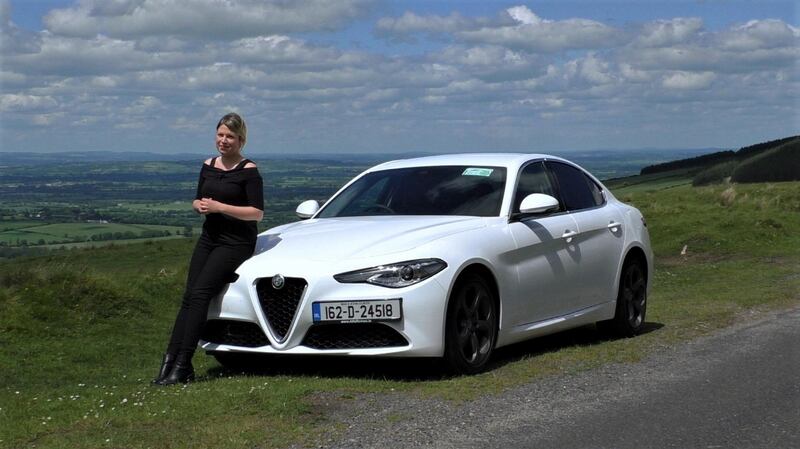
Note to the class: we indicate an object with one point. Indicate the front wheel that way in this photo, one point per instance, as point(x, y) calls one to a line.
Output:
point(471, 326)
point(631, 301)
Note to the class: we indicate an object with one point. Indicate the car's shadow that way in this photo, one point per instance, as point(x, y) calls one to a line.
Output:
point(405, 369)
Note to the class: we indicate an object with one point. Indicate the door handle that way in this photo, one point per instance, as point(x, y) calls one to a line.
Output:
point(568, 235)
point(614, 226)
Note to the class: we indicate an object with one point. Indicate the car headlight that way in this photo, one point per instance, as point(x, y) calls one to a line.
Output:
point(396, 275)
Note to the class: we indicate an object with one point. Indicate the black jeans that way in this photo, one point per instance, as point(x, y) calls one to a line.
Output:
point(211, 268)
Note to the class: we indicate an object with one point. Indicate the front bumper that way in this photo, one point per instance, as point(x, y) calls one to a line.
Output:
point(238, 322)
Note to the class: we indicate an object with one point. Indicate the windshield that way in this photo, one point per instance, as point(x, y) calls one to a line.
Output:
point(440, 190)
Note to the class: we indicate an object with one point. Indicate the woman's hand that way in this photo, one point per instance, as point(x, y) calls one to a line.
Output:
point(206, 206)
point(211, 206)
point(200, 207)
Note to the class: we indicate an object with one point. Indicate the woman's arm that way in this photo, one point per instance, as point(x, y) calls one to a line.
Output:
point(211, 206)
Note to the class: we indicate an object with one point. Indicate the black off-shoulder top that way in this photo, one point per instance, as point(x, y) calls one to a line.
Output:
point(238, 187)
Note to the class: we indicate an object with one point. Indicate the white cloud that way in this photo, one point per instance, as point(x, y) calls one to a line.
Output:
point(669, 32)
point(283, 50)
point(482, 56)
point(109, 82)
point(201, 19)
point(591, 70)
point(94, 56)
point(8, 79)
point(535, 34)
point(524, 15)
point(25, 103)
point(517, 28)
point(634, 75)
point(410, 22)
point(46, 119)
point(480, 79)
point(143, 105)
point(688, 80)
point(5, 12)
point(759, 35)
point(185, 124)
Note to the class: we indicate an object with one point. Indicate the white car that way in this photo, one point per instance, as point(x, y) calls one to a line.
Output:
point(446, 256)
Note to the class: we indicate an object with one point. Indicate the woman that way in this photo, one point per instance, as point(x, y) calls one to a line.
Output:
point(230, 195)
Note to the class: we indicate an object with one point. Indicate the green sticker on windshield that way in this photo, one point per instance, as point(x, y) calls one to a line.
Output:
point(477, 171)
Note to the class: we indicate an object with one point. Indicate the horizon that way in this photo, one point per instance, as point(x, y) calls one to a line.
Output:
point(360, 154)
point(391, 77)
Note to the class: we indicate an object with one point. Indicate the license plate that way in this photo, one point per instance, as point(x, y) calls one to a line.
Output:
point(357, 311)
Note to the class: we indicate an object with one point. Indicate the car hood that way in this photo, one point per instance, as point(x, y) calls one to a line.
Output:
point(336, 239)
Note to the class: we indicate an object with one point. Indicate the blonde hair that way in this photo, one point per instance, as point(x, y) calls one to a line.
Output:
point(236, 124)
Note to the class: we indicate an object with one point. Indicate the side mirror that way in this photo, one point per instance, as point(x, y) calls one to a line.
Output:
point(307, 209)
point(538, 203)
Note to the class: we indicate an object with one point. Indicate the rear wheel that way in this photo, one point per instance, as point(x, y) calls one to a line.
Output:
point(631, 301)
point(471, 326)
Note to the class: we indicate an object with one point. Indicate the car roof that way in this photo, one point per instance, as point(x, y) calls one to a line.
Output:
point(511, 161)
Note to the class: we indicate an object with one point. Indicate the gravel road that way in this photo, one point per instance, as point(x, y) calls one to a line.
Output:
point(738, 388)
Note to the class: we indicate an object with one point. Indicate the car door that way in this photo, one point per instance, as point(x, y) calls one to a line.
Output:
point(599, 240)
point(545, 256)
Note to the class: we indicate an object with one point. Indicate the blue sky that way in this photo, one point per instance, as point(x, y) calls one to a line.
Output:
point(357, 76)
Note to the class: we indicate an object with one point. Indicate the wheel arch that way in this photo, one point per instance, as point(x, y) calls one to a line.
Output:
point(482, 270)
point(635, 253)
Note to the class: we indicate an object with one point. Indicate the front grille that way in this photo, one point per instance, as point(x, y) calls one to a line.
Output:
point(279, 306)
point(234, 333)
point(353, 336)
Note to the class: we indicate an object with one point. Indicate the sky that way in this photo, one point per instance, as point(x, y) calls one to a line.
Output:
point(364, 76)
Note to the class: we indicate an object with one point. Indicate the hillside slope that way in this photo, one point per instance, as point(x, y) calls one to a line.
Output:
point(775, 165)
point(81, 333)
point(774, 161)
point(716, 166)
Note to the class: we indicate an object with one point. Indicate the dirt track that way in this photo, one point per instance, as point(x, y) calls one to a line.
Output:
point(738, 388)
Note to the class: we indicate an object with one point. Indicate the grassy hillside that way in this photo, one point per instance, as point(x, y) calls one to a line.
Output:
point(81, 332)
point(773, 161)
point(781, 163)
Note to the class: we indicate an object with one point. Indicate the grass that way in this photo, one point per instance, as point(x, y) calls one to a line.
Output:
point(81, 333)
point(650, 182)
point(54, 233)
point(169, 206)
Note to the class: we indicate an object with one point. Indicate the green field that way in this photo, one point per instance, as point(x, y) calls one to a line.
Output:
point(644, 183)
point(170, 206)
point(14, 225)
point(81, 333)
point(139, 197)
point(49, 234)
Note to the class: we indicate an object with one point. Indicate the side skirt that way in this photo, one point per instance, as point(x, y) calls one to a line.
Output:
point(578, 318)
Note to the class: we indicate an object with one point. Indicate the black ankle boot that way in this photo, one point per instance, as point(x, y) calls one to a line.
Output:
point(182, 372)
point(166, 367)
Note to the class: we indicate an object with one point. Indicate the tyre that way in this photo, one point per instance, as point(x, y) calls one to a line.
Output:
point(471, 326)
point(631, 301)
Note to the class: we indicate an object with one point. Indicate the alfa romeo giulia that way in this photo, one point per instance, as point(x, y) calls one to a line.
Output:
point(446, 256)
